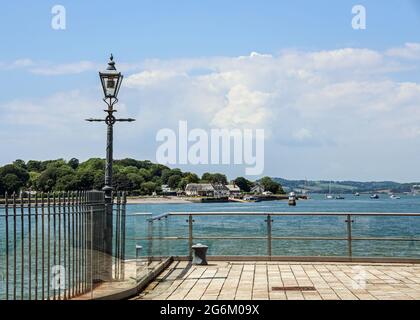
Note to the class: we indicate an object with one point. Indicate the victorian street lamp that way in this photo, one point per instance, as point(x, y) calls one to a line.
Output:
point(111, 81)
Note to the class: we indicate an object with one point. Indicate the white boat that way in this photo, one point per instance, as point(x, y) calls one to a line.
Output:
point(292, 199)
point(394, 197)
point(329, 196)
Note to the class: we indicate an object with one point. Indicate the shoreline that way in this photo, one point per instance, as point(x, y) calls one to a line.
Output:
point(158, 200)
point(186, 200)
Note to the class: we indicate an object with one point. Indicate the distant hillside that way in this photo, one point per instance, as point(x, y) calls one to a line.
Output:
point(343, 187)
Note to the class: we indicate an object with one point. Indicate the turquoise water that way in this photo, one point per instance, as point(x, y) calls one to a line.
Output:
point(305, 226)
point(138, 230)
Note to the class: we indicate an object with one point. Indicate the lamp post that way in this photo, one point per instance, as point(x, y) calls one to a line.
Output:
point(111, 81)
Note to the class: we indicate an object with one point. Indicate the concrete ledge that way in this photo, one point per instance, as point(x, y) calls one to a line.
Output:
point(128, 293)
point(306, 259)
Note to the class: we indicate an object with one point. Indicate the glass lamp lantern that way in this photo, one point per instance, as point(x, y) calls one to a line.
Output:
point(111, 80)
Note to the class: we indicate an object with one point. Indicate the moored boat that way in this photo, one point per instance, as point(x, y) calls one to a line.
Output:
point(292, 199)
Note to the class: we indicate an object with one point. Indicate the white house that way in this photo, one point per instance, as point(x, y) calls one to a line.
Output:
point(221, 191)
point(257, 189)
point(234, 190)
point(199, 190)
point(206, 190)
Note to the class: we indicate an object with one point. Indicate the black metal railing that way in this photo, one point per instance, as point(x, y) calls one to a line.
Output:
point(348, 229)
point(52, 244)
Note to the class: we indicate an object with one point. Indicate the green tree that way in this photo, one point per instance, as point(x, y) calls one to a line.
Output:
point(46, 180)
point(93, 164)
point(99, 180)
point(191, 177)
point(33, 178)
point(86, 180)
point(12, 183)
point(145, 174)
point(156, 170)
point(121, 182)
point(174, 181)
point(148, 187)
point(73, 163)
point(67, 183)
point(244, 184)
point(20, 163)
point(35, 166)
point(13, 177)
point(272, 186)
point(136, 180)
point(2, 187)
point(214, 178)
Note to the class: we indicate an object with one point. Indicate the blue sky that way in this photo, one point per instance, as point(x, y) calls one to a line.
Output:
point(42, 67)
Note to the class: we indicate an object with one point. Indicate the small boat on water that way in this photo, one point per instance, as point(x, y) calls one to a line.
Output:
point(394, 197)
point(292, 199)
point(339, 197)
point(252, 199)
point(374, 196)
point(357, 194)
point(329, 196)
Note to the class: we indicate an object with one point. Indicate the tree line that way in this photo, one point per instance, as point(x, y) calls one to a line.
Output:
point(137, 177)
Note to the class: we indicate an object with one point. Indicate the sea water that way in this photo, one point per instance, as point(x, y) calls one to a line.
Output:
point(290, 226)
point(169, 236)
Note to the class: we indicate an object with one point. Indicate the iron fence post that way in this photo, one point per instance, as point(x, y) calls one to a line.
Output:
point(22, 246)
point(150, 242)
point(190, 236)
point(108, 199)
point(7, 244)
point(29, 248)
point(269, 235)
point(349, 235)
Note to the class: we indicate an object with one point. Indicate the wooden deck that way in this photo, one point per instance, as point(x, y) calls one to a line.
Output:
point(285, 281)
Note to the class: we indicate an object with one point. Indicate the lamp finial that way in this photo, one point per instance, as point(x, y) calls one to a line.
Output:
point(111, 63)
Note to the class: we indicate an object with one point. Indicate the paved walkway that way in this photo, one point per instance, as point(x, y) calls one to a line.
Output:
point(285, 281)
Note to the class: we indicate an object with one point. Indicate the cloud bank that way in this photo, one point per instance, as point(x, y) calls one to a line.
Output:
point(329, 108)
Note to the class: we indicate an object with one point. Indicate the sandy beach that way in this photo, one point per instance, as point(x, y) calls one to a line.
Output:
point(157, 200)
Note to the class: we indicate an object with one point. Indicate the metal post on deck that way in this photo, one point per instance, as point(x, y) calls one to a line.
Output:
point(349, 235)
point(150, 252)
point(7, 243)
point(269, 235)
point(190, 237)
point(111, 81)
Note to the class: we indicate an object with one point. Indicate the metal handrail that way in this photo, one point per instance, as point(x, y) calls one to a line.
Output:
point(269, 237)
point(227, 213)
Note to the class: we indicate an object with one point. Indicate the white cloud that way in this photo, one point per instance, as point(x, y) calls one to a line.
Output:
point(65, 69)
point(302, 134)
point(274, 91)
point(16, 64)
point(409, 51)
point(22, 63)
point(149, 78)
point(243, 108)
point(344, 102)
point(57, 112)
